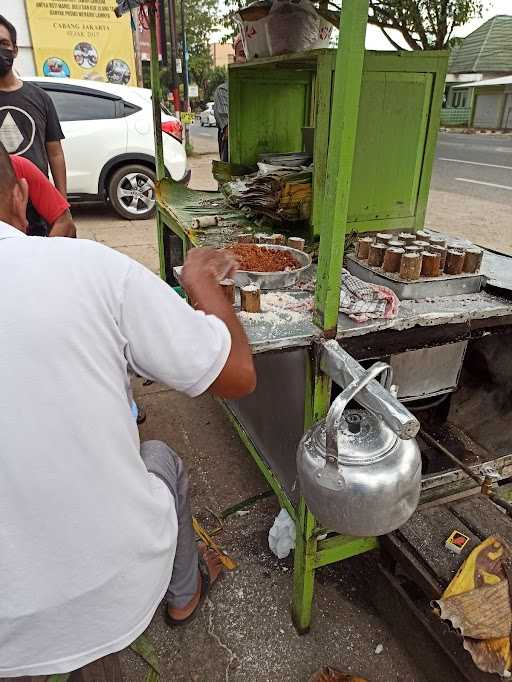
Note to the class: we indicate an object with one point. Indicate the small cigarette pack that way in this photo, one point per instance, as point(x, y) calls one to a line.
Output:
point(456, 542)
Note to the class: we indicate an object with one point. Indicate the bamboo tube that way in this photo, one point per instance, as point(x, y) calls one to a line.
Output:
point(376, 255)
point(422, 235)
point(407, 237)
point(250, 298)
point(228, 287)
point(438, 241)
point(424, 246)
point(410, 266)
point(363, 247)
point(396, 244)
point(441, 250)
point(413, 249)
point(247, 238)
point(205, 221)
point(383, 237)
point(430, 264)
point(262, 238)
point(296, 243)
point(454, 262)
point(392, 259)
point(472, 260)
point(277, 238)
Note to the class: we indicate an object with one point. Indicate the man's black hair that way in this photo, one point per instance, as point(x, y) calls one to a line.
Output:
point(12, 31)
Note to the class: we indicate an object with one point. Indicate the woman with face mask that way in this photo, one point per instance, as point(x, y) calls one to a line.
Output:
point(29, 125)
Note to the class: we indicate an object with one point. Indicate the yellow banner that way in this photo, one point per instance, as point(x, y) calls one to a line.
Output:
point(75, 39)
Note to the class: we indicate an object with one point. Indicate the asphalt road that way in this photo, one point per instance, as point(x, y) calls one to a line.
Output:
point(479, 166)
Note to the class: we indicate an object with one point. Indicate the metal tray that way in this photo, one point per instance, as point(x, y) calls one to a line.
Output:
point(275, 280)
point(426, 287)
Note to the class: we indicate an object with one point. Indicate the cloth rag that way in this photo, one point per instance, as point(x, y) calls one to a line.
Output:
point(362, 301)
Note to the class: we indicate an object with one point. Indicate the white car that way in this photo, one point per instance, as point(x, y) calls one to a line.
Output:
point(109, 146)
point(207, 117)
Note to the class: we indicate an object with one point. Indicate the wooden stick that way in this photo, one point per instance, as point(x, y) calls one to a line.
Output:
point(376, 255)
point(247, 238)
point(296, 243)
point(430, 264)
point(407, 237)
point(228, 287)
point(410, 266)
point(392, 259)
point(363, 247)
point(473, 260)
point(250, 299)
point(277, 238)
point(384, 237)
point(454, 262)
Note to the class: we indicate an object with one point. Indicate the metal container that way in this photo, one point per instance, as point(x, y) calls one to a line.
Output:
point(357, 476)
point(275, 280)
point(426, 287)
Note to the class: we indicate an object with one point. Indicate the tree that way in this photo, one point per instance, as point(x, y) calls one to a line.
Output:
point(201, 20)
point(424, 24)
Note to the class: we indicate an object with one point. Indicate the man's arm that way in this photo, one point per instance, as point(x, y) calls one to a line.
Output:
point(63, 226)
point(200, 280)
point(57, 166)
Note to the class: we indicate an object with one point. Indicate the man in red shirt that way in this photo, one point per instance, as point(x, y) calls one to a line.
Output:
point(47, 201)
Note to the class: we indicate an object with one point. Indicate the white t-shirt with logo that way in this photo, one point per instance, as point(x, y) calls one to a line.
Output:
point(87, 535)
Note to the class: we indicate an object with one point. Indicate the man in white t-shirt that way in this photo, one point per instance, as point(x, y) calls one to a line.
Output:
point(95, 530)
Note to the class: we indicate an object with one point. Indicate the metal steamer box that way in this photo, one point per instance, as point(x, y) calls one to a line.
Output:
point(425, 287)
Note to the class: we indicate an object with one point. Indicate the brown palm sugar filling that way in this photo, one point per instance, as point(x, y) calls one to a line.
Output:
point(261, 259)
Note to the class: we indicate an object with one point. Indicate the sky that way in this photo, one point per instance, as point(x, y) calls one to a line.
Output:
point(375, 39)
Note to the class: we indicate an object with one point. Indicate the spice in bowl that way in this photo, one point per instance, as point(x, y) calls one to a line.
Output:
point(263, 259)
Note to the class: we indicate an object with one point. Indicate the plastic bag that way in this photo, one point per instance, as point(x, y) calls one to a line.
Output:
point(281, 537)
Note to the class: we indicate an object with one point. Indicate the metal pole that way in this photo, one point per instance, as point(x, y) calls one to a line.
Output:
point(157, 94)
point(163, 32)
point(174, 51)
point(185, 71)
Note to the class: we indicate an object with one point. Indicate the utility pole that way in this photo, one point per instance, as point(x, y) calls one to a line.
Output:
point(174, 52)
point(185, 72)
point(163, 32)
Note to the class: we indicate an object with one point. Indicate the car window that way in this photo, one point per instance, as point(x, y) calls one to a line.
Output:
point(74, 106)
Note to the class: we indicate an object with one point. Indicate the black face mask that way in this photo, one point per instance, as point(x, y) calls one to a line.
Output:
point(6, 60)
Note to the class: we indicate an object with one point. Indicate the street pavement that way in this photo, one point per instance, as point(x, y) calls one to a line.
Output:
point(244, 631)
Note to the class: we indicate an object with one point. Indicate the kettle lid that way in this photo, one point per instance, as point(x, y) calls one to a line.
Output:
point(362, 438)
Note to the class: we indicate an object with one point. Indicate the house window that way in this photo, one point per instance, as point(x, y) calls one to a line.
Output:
point(460, 98)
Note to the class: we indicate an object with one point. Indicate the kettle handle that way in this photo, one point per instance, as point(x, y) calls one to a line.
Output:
point(338, 407)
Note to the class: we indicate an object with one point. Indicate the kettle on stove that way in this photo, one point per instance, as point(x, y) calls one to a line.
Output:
point(357, 476)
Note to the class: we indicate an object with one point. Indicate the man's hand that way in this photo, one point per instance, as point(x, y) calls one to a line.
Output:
point(63, 226)
point(206, 267)
point(201, 274)
point(57, 166)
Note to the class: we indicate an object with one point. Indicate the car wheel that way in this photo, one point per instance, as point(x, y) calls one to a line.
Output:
point(131, 191)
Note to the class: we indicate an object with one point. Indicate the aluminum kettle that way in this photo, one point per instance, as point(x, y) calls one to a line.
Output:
point(357, 476)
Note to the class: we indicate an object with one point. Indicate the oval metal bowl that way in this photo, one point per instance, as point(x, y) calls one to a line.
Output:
point(275, 280)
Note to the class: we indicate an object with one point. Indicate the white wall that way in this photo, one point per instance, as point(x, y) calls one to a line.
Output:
point(14, 11)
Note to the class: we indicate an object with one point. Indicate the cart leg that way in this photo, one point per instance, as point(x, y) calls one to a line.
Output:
point(303, 569)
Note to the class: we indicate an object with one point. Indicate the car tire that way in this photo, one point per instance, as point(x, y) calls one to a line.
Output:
point(131, 191)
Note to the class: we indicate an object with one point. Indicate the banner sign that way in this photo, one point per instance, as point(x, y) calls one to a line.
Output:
point(85, 40)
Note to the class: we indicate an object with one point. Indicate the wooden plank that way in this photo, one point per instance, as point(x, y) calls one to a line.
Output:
point(483, 517)
point(322, 123)
point(402, 553)
point(427, 531)
point(342, 140)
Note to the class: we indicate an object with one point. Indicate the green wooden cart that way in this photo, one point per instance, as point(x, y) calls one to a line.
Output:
point(375, 117)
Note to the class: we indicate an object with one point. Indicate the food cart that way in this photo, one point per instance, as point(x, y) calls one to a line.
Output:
point(375, 117)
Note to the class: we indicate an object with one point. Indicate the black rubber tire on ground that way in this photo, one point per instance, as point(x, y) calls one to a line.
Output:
point(133, 177)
